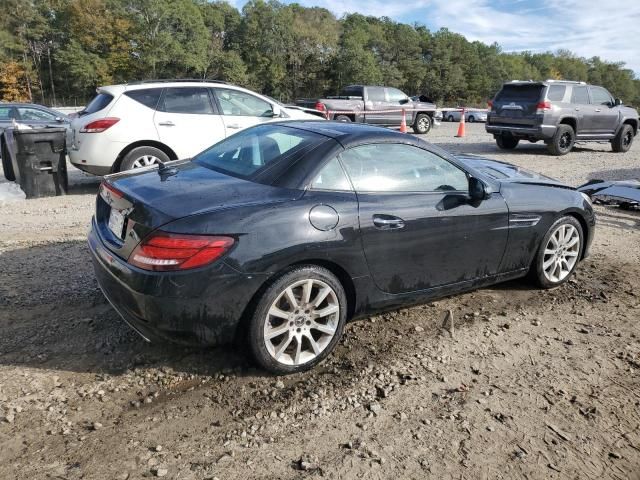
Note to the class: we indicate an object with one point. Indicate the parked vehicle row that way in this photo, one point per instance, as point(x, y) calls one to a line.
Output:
point(470, 116)
point(560, 113)
point(376, 105)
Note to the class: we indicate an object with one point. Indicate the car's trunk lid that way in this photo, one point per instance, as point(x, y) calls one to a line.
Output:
point(132, 204)
point(517, 104)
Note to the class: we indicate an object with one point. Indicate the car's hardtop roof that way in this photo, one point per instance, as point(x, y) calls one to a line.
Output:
point(349, 134)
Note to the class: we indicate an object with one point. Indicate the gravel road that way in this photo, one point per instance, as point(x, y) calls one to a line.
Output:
point(533, 384)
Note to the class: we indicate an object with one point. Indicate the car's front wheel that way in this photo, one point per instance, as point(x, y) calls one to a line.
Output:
point(422, 124)
point(559, 253)
point(143, 157)
point(624, 139)
point(298, 320)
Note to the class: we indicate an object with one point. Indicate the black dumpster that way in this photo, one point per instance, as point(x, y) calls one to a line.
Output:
point(40, 158)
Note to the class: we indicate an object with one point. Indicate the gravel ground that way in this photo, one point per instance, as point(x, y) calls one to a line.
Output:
point(533, 384)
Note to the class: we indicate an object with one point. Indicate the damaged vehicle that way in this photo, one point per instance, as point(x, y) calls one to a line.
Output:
point(278, 235)
point(623, 193)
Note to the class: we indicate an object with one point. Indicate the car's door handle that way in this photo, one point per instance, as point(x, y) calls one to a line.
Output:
point(234, 125)
point(598, 110)
point(577, 109)
point(167, 123)
point(387, 222)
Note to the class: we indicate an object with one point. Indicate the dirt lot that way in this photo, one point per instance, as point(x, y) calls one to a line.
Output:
point(534, 384)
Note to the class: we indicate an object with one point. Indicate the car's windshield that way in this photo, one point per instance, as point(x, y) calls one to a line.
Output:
point(257, 148)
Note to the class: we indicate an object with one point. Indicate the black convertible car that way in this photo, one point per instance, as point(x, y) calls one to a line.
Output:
point(282, 232)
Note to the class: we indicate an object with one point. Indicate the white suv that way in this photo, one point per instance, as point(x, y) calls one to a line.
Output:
point(135, 125)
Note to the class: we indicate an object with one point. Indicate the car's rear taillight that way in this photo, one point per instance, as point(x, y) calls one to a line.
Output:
point(542, 106)
point(108, 189)
point(490, 104)
point(162, 252)
point(98, 126)
point(320, 107)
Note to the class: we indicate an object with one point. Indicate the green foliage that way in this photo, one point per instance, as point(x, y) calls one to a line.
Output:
point(59, 51)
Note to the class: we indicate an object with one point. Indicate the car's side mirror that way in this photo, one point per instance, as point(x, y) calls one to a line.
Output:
point(404, 101)
point(478, 190)
point(276, 110)
point(617, 102)
point(59, 119)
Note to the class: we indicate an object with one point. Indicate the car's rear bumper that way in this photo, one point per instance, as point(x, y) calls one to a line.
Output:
point(202, 306)
point(539, 132)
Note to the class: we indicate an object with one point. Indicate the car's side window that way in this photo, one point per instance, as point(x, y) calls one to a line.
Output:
point(556, 93)
point(599, 96)
point(237, 103)
point(395, 96)
point(5, 113)
point(375, 94)
point(580, 96)
point(27, 113)
point(331, 177)
point(387, 167)
point(194, 100)
point(148, 97)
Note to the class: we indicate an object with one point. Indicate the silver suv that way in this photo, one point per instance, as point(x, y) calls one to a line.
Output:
point(560, 113)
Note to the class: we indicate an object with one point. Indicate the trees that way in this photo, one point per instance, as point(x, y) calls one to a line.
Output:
point(58, 51)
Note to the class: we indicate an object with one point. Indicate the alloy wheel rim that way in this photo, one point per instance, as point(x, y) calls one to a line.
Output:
point(561, 253)
point(565, 140)
point(301, 322)
point(145, 161)
point(626, 141)
point(423, 124)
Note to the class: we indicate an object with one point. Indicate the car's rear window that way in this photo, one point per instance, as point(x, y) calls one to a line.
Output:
point(256, 149)
point(519, 93)
point(148, 97)
point(99, 102)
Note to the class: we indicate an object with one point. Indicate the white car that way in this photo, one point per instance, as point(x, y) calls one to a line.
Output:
point(136, 125)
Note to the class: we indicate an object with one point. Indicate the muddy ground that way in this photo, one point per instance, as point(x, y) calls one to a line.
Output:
point(533, 384)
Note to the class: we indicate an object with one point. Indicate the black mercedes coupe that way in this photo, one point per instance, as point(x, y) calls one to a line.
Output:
point(282, 232)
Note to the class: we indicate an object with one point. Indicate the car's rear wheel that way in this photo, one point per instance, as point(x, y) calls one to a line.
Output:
point(422, 124)
point(623, 140)
point(298, 320)
point(563, 140)
point(143, 157)
point(507, 142)
point(472, 119)
point(559, 253)
point(450, 118)
point(343, 118)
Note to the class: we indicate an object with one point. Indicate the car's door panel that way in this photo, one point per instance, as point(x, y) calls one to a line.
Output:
point(188, 113)
point(604, 120)
point(419, 228)
point(438, 243)
point(374, 104)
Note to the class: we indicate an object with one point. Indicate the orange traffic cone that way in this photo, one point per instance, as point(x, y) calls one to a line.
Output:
point(461, 126)
point(403, 124)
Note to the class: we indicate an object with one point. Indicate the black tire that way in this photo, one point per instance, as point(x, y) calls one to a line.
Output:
point(129, 160)
point(472, 119)
point(623, 140)
point(343, 118)
point(422, 124)
point(7, 167)
point(507, 142)
point(256, 335)
point(450, 118)
point(537, 271)
point(563, 140)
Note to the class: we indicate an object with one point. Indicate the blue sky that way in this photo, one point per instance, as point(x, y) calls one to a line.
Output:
point(606, 28)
